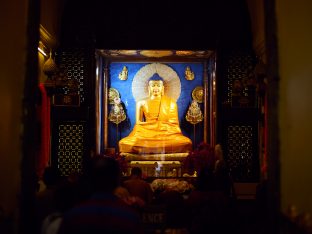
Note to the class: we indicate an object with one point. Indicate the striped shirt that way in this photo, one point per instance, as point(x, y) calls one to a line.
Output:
point(102, 213)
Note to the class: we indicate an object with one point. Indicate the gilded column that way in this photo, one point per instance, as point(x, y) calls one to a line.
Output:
point(105, 104)
point(213, 102)
point(205, 101)
point(98, 101)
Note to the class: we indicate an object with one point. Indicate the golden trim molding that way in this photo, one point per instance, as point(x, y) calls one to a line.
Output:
point(46, 39)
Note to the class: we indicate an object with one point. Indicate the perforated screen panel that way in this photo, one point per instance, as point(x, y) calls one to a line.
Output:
point(70, 148)
point(72, 66)
point(240, 156)
point(239, 67)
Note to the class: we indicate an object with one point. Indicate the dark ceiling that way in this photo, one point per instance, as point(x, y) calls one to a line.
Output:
point(161, 24)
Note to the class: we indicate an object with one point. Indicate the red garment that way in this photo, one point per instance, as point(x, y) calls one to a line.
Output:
point(44, 121)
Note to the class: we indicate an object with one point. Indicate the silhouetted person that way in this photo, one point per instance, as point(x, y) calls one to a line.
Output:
point(124, 194)
point(65, 197)
point(137, 186)
point(45, 199)
point(175, 209)
point(208, 206)
point(223, 179)
point(104, 212)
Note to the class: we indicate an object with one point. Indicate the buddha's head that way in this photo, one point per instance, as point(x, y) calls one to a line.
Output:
point(156, 87)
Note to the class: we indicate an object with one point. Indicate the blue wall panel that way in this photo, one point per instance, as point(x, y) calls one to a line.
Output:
point(128, 101)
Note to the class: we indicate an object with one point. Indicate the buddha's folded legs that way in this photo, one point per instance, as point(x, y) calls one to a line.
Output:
point(177, 144)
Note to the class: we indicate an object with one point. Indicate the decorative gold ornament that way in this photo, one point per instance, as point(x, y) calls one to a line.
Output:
point(117, 113)
point(156, 53)
point(189, 75)
point(49, 67)
point(123, 75)
point(112, 94)
point(184, 52)
point(198, 94)
point(128, 52)
point(194, 114)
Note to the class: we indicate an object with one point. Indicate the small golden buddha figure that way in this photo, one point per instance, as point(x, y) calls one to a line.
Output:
point(123, 75)
point(189, 75)
point(157, 127)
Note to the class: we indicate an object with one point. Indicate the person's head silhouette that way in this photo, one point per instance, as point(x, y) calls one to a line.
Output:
point(104, 173)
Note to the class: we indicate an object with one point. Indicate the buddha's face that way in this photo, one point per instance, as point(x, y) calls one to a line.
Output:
point(156, 88)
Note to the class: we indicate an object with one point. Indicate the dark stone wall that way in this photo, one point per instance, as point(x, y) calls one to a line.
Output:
point(160, 24)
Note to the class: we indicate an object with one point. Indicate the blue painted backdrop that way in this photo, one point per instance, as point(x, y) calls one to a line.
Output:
point(128, 101)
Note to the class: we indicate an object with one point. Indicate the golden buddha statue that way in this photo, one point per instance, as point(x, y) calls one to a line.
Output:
point(157, 127)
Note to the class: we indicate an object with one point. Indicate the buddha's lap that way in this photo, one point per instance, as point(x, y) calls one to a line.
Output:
point(134, 145)
point(156, 144)
point(158, 134)
point(170, 140)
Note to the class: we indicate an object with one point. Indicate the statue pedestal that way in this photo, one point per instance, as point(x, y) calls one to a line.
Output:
point(158, 168)
point(157, 165)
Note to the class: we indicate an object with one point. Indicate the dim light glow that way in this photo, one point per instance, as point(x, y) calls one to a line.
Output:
point(42, 52)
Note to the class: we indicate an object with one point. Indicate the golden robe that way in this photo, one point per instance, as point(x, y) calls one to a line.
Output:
point(159, 132)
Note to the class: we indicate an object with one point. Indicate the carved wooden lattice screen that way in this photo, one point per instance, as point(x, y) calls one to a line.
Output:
point(72, 66)
point(239, 90)
point(70, 147)
point(70, 123)
point(241, 152)
point(239, 117)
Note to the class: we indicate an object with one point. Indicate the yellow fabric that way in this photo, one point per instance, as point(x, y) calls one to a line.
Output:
point(159, 132)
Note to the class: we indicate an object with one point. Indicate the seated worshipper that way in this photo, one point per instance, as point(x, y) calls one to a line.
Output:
point(208, 207)
point(103, 212)
point(157, 127)
point(137, 186)
point(222, 175)
point(45, 203)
